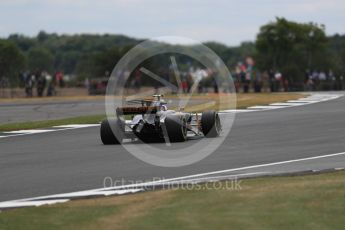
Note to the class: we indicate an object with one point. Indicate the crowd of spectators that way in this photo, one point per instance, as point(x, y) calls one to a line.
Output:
point(275, 81)
point(247, 78)
point(42, 81)
point(255, 81)
point(321, 80)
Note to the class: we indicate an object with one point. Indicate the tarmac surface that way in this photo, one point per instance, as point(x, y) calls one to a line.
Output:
point(75, 160)
point(38, 111)
point(58, 109)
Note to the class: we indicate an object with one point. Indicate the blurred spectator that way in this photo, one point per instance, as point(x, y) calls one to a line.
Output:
point(190, 82)
point(272, 80)
point(265, 82)
point(306, 82)
point(41, 83)
point(342, 82)
point(184, 84)
point(29, 83)
point(322, 76)
point(244, 81)
point(59, 79)
point(330, 75)
point(215, 82)
point(257, 82)
point(285, 82)
point(137, 80)
point(87, 84)
point(316, 80)
point(51, 85)
point(278, 80)
point(237, 82)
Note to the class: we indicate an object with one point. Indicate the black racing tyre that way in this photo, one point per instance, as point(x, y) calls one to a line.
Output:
point(176, 127)
point(210, 124)
point(107, 135)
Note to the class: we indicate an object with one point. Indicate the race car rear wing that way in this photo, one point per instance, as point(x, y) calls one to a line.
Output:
point(143, 102)
point(137, 110)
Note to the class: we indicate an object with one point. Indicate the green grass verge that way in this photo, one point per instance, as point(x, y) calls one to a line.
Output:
point(49, 123)
point(300, 202)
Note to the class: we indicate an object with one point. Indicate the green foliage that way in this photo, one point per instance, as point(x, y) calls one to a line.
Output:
point(283, 45)
point(71, 54)
point(90, 55)
point(105, 61)
point(11, 61)
point(232, 55)
point(336, 50)
point(292, 47)
point(24, 43)
point(40, 59)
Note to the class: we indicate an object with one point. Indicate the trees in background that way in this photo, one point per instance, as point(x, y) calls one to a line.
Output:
point(292, 48)
point(89, 56)
point(336, 50)
point(12, 61)
point(40, 59)
point(84, 55)
point(232, 55)
point(286, 46)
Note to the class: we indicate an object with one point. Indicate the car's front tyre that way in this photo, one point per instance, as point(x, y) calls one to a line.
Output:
point(210, 124)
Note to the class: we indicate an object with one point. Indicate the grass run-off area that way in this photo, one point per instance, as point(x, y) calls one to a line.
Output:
point(242, 101)
point(297, 202)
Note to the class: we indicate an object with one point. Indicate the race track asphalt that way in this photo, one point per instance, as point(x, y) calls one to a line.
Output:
point(38, 111)
point(73, 160)
point(57, 109)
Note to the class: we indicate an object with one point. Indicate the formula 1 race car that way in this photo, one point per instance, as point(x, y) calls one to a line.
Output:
point(153, 122)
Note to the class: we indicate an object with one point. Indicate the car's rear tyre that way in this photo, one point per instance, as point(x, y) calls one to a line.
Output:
point(106, 131)
point(176, 127)
point(210, 124)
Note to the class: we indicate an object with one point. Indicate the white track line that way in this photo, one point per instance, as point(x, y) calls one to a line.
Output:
point(237, 169)
point(286, 104)
point(76, 126)
point(118, 190)
point(29, 131)
point(313, 98)
point(305, 101)
point(36, 131)
point(237, 111)
point(131, 188)
point(86, 193)
point(217, 178)
point(264, 107)
point(14, 204)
